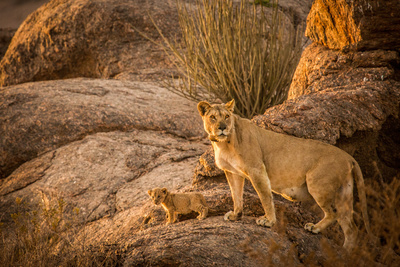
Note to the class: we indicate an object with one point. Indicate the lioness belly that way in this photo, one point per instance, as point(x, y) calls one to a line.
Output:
point(295, 193)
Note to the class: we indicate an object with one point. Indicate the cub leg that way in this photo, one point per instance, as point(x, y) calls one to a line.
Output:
point(171, 216)
point(203, 211)
point(261, 184)
point(236, 184)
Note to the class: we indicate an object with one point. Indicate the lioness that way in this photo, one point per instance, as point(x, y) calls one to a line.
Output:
point(298, 169)
point(181, 203)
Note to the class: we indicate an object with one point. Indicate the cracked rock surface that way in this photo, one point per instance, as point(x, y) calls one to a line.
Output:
point(39, 117)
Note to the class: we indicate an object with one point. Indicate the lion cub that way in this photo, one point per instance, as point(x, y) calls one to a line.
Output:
point(181, 203)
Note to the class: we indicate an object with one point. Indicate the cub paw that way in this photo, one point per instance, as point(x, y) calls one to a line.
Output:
point(201, 217)
point(231, 216)
point(263, 221)
point(311, 228)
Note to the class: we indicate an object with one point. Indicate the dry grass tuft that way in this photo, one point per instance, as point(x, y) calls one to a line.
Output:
point(44, 234)
point(240, 51)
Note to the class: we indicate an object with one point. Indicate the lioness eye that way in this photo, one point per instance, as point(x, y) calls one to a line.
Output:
point(227, 116)
point(212, 117)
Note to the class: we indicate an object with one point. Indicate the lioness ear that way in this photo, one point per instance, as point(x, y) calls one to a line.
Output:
point(149, 192)
point(164, 190)
point(203, 106)
point(230, 105)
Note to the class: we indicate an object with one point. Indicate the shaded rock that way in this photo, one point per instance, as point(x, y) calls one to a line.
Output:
point(356, 24)
point(39, 117)
point(206, 168)
point(14, 12)
point(84, 38)
point(5, 39)
point(297, 10)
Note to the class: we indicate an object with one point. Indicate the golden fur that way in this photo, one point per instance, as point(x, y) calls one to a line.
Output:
point(179, 203)
point(298, 169)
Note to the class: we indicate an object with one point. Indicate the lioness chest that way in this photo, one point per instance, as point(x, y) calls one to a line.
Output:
point(228, 160)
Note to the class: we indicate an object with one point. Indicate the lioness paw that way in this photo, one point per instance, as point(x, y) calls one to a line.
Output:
point(231, 216)
point(311, 227)
point(263, 221)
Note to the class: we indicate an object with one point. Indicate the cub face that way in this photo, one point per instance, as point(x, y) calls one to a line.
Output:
point(158, 195)
point(217, 119)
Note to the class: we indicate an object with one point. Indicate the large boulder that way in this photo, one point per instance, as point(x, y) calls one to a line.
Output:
point(358, 24)
point(85, 38)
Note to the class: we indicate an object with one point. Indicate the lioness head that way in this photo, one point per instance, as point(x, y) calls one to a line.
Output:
point(218, 119)
point(158, 195)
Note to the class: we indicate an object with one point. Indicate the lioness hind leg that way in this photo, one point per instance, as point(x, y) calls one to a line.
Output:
point(329, 218)
point(344, 202)
point(327, 203)
point(350, 231)
point(330, 189)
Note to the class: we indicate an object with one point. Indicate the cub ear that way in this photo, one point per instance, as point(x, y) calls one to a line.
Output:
point(230, 105)
point(164, 190)
point(203, 106)
point(149, 192)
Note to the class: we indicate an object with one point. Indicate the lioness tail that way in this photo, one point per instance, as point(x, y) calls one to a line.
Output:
point(358, 177)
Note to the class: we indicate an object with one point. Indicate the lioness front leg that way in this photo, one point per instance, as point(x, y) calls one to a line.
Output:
point(261, 184)
point(236, 184)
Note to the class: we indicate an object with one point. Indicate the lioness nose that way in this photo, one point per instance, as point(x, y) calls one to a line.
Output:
point(222, 126)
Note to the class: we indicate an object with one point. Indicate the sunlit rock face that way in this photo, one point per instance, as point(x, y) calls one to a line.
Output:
point(356, 25)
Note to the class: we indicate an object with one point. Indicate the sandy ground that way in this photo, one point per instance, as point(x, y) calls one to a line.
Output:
point(14, 12)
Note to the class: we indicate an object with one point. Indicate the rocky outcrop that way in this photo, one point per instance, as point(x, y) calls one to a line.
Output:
point(85, 38)
point(40, 117)
point(356, 25)
point(321, 68)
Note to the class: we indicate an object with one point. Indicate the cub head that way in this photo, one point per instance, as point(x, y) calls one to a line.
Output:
point(218, 119)
point(158, 195)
